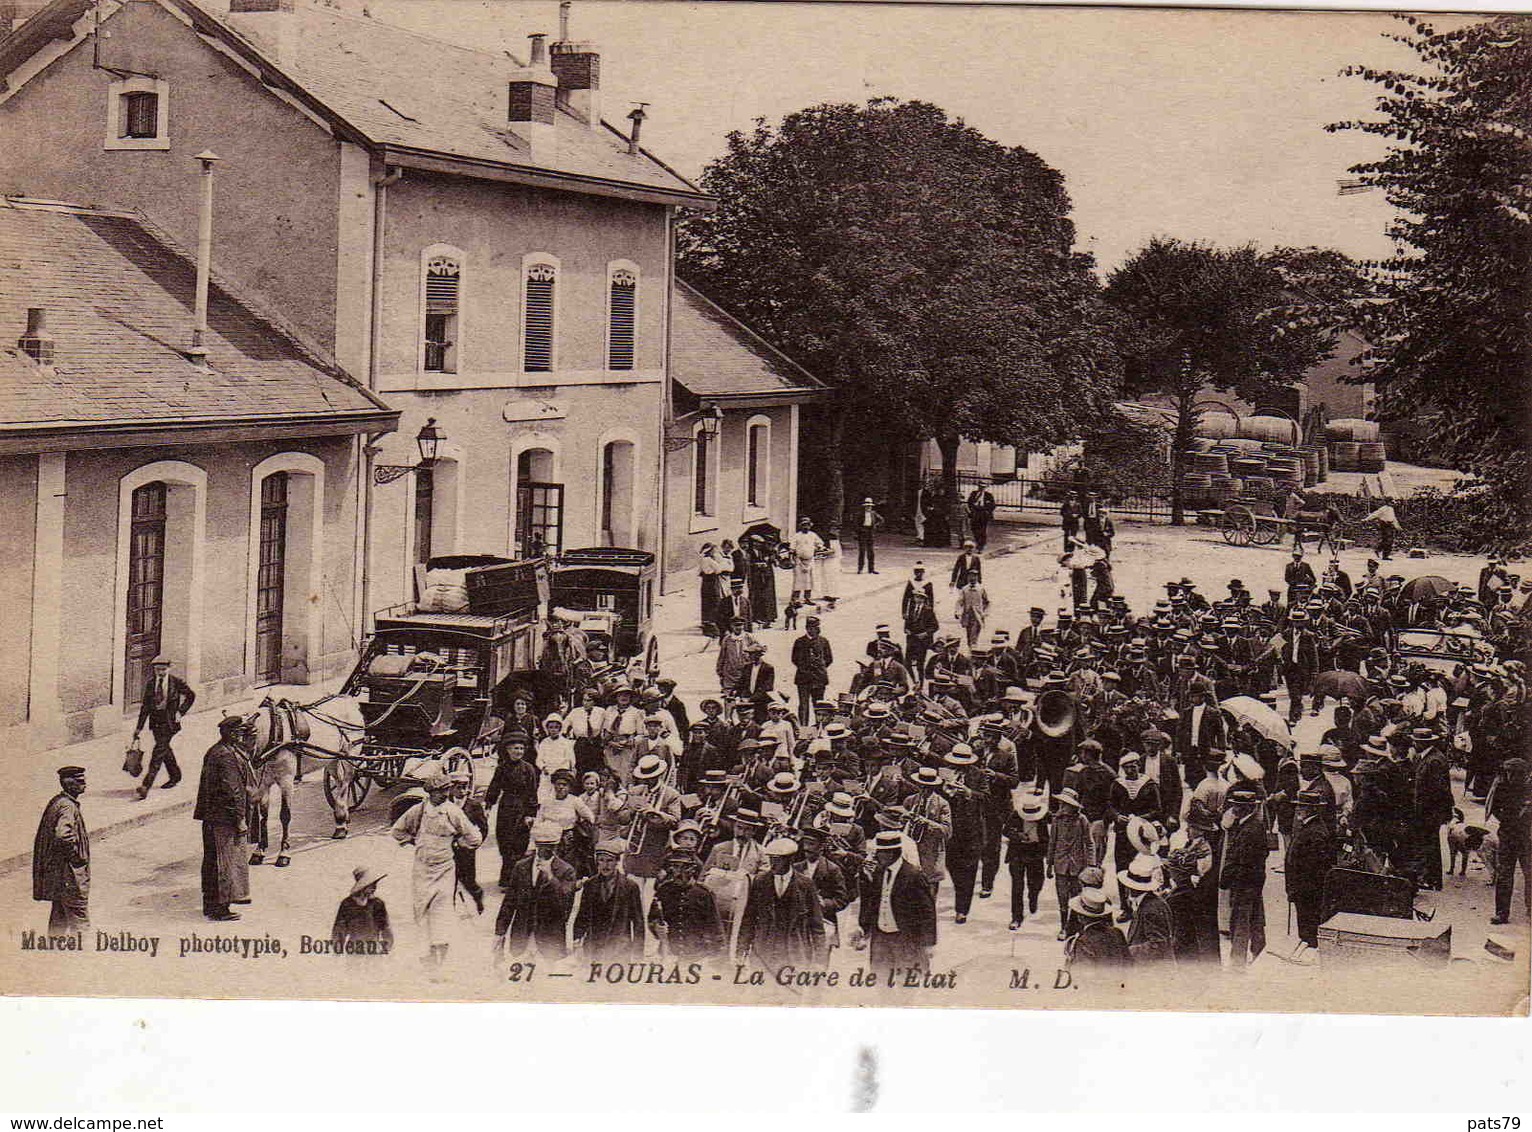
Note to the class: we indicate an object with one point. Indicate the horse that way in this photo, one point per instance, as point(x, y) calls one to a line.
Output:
point(565, 658)
point(276, 728)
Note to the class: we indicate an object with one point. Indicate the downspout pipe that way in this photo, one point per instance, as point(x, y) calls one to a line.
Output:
point(369, 451)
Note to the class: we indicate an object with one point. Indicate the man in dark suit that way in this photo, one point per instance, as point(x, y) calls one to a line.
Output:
point(166, 700)
point(538, 898)
point(829, 882)
point(1151, 935)
point(1243, 873)
point(756, 681)
point(897, 916)
point(783, 922)
point(671, 702)
point(967, 568)
point(1199, 731)
point(1298, 657)
point(611, 916)
point(981, 512)
point(1433, 806)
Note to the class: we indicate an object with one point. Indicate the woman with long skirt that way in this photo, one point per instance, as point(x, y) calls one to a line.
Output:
point(710, 569)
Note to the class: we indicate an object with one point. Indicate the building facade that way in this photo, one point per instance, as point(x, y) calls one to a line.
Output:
point(160, 498)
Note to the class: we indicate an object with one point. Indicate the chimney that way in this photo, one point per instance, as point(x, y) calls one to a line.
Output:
point(533, 92)
point(270, 24)
point(197, 352)
point(578, 69)
point(636, 116)
point(34, 341)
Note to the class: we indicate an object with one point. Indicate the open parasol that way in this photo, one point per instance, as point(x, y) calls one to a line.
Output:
point(1265, 720)
point(1427, 588)
point(1384, 514)
point(1340, 684)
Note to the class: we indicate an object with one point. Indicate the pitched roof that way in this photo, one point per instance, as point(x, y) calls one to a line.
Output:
point(392, 88)
point(120, 300)
point(713, 354)
point(403, 88)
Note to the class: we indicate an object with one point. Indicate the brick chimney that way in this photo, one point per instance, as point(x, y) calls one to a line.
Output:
point(578, 68)
point(533, 93)
point(34, 341)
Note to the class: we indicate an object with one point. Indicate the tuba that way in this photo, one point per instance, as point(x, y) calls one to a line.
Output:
point(1055, 713)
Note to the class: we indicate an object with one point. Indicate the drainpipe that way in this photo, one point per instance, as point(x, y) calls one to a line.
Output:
point(368, 452)
point(663, 494)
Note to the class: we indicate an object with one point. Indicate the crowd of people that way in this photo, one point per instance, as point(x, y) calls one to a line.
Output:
point(1141, 763)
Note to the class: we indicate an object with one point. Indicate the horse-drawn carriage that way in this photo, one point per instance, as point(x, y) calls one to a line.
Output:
point(605, 594)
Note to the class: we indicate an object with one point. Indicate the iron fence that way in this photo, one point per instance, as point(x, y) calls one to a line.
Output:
point(1033, 496)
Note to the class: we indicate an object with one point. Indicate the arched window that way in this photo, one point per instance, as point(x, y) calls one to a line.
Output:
point(441, 311)
point(622, 316)
point(539, 314)
point(758, 463)
point(704, 471)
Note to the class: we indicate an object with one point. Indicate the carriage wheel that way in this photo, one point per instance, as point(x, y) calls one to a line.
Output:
point(1267, 533)
point(356, 789)
point(1240, 527)
point(652, 657)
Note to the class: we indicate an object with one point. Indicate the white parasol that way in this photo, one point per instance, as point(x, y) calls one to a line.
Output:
point(1264, 718)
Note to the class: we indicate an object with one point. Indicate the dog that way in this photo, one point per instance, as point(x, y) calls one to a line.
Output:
point(1463, 839)
point(790, 614)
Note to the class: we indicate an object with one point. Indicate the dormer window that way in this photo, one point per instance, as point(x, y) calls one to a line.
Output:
point(138, 114)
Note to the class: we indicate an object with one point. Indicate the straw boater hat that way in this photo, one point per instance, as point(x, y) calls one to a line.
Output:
point(746, 816)
point(841, 805)
point(1246, 767)
point(835, 729)
point(1332, 757)
point(1141, 875)
point(1033, 805)
point(888, 839)
point(650, 766)
point(960, 755)
point(1093, 904)
point(783, 784)
point(926, 777)
point(362, 876)
point(1143, 835)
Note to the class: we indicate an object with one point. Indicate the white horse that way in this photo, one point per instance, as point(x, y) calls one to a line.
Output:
point(275, 763)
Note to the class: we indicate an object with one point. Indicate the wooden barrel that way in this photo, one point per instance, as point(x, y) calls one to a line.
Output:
point(1310, 457)
point(1217, 425)
point(1210, 463)
point(1259, 487)
point(1195, 487)
point(1351, 428)
point(1269, 428)
point(1242, 444)
point(1324, 462)
point(1248, 466)
point(1370, 456)
point(1343, 455)
point(1202, 444)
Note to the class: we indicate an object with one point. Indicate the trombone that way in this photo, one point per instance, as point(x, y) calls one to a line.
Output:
point(638, 833)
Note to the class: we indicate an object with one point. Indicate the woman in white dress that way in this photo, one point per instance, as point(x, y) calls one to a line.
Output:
point(434, 827)
point(827, 569)
point(555, 751)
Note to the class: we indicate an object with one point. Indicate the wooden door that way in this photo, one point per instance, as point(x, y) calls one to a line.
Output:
point(271, 579)
point(146, 586)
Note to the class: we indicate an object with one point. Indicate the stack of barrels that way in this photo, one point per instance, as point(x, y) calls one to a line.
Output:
point(1355, 446)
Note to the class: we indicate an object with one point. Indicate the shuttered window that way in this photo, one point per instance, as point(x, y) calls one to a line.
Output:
point(623, 311)
point(757, 443)
point(140, 116)
point(443, 282)
point(702, 474)
point(537, 351)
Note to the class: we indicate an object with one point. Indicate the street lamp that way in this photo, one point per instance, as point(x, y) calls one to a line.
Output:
point(428, 440)
point(710, 418)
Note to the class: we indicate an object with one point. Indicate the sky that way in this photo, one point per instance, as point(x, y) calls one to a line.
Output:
point(1203, 125)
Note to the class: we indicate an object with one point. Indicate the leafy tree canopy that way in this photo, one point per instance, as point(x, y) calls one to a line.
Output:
point(1451, 325)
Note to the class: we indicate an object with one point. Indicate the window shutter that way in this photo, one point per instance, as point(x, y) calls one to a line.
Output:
point(541, 278)
point(624, 295)
point(442, 276)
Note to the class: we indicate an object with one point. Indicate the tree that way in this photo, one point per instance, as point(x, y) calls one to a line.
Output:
point(1452, 325)
point(923, 270)
point(1230, 319)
